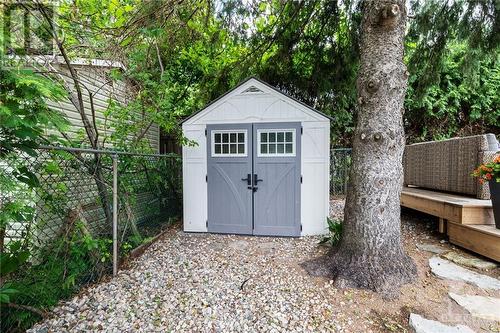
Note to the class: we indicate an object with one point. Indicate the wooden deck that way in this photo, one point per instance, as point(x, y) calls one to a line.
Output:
point(468, 221)
point(450, 207)
point(482, 239)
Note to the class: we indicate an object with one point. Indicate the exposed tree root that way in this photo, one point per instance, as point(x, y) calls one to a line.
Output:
point(382, 274)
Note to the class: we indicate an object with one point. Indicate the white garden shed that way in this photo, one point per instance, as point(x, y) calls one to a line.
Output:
point(260, 166)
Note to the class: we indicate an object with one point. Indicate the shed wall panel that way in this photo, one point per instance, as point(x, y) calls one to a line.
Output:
point(194, 170)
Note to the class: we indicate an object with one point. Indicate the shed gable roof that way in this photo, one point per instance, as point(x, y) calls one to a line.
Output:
point(252, 86)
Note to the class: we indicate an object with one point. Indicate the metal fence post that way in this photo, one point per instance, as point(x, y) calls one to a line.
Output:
point(115, 214)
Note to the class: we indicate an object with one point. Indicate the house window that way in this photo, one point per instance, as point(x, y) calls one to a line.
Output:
point(229, 143)
point(276, 142)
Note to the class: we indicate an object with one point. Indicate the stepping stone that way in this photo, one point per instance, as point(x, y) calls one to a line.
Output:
point(422, 325)
point(469, 262)
point(448, 270)
point(479, 306)
point(431, 248)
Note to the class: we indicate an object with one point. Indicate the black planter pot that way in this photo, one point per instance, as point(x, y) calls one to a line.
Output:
point(495, 200)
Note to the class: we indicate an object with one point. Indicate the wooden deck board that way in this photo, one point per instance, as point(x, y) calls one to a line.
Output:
point(447, 198)
point(451, 207)
point(469, 221)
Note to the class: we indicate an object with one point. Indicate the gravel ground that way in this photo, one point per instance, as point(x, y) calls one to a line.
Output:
point(209, 283)
point(226, 283)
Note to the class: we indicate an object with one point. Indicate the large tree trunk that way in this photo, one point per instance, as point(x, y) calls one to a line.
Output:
point(370, 254)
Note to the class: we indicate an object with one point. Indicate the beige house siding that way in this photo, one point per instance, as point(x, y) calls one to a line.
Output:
point(97, 80)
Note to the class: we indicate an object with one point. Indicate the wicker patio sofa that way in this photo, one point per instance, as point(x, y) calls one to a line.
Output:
point(438, 182)
point(447, 165)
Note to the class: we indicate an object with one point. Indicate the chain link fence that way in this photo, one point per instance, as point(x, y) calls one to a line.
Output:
point(340, 163)
point(58, 206)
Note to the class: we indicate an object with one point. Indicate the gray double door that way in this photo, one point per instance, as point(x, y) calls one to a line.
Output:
point(254, 178)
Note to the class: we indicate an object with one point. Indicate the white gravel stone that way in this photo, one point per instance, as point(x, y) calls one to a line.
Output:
point(206, 283)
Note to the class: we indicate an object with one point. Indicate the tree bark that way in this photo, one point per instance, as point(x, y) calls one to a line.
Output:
point(370, 254)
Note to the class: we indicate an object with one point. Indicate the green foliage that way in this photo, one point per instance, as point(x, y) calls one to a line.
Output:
point(25, 120)
point(10, 262)
point(54, 273)
point(455, 105)
point(438, 25)
point(24, 114)
point(335, 232)
point(181, 55)
point(13, 259)
point(310, 50)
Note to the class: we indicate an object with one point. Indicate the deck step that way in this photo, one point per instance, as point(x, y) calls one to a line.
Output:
point(482, 239)
point(469, 222)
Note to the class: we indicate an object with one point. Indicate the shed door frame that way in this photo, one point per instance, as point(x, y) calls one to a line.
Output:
point(284, 151)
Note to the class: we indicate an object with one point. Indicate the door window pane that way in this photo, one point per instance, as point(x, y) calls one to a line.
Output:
point(263, 137)
point(276, 142)
point(229, 143)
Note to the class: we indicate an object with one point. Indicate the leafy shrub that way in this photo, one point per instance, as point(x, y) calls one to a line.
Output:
point(53, 273)
point(9, 263)
point(335, 232)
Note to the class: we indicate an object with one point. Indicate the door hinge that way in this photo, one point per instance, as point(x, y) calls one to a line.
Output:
point(301, 227)
point(301, 179)
point(206, 132)
point(207, 225)
point(206, 178)
point(301, 130)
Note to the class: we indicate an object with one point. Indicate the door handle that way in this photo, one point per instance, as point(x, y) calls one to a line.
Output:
point(248, 179)
point(256, 180)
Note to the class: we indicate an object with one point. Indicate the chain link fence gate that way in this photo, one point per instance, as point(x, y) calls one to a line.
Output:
point(58, 206)
point(340, 164)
